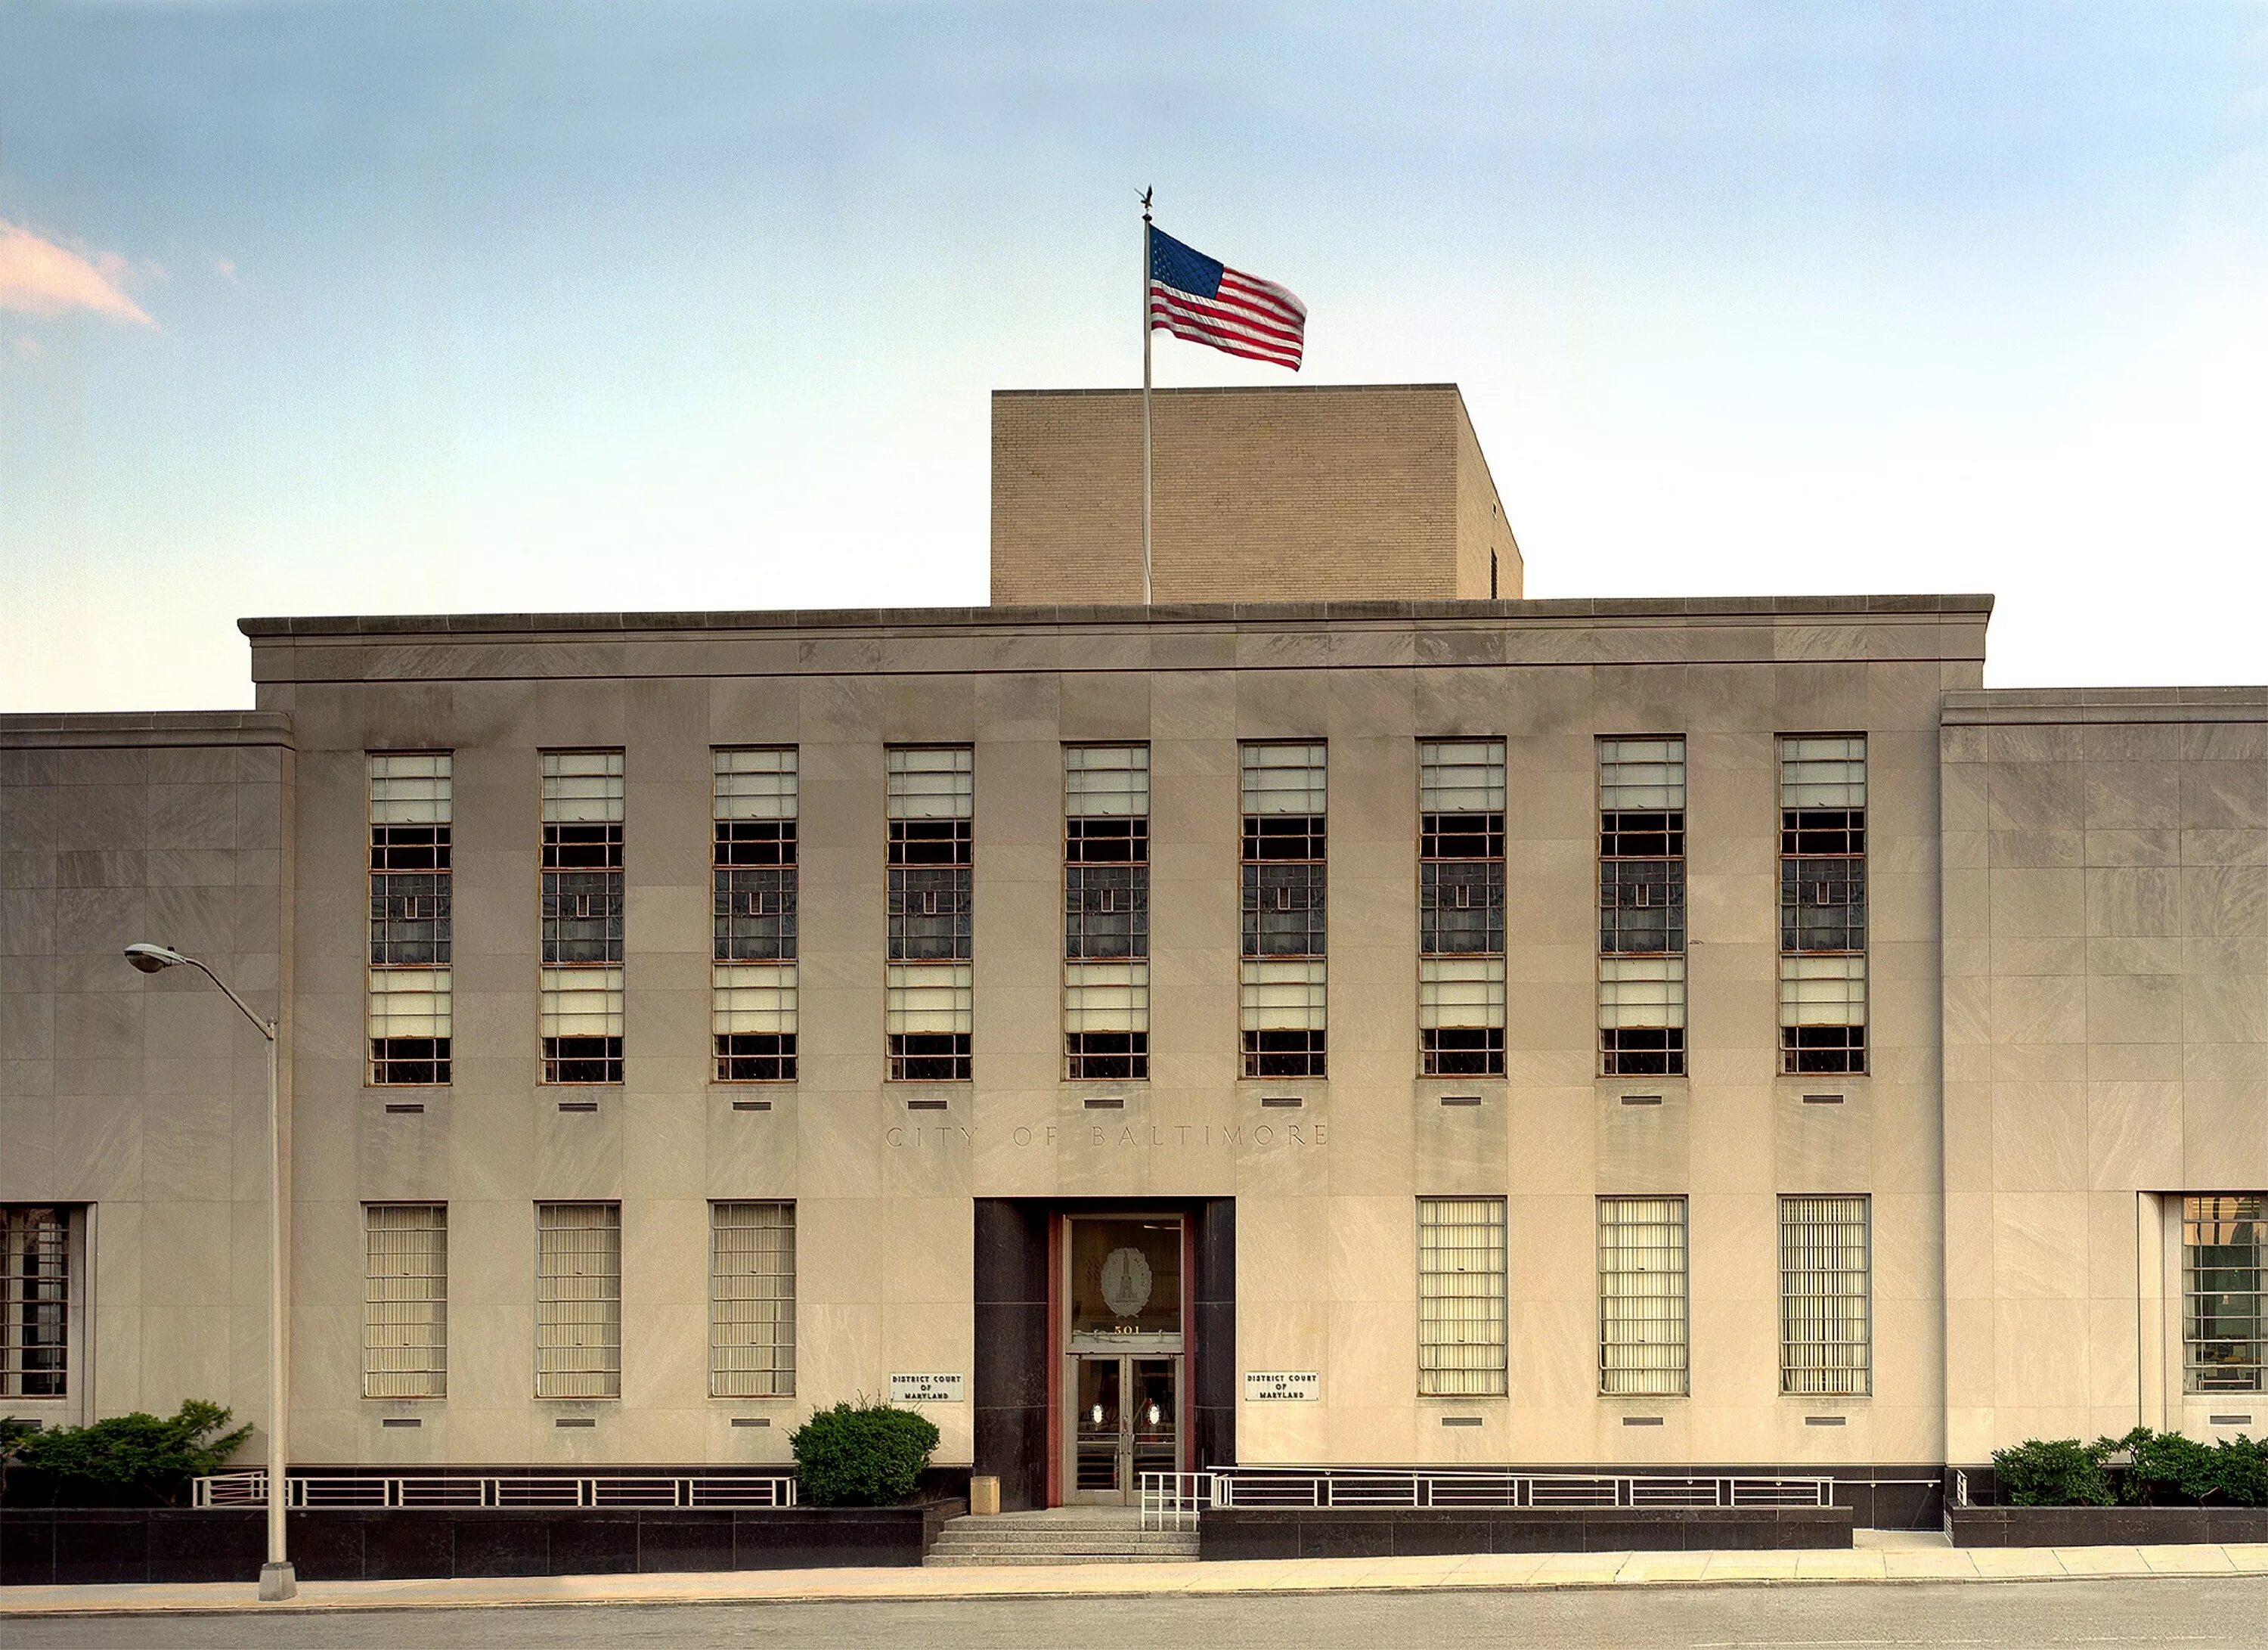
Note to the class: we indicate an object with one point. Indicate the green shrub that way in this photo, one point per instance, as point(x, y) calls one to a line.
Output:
point(2169, 1467)
point(2160, 1468)
point(872, 1456)
point(2063, 1472)
point(138, 1452)
point(2243, 1470)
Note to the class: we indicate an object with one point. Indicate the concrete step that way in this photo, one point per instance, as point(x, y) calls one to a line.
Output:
point(1105, 1538)
point(973, 1560)
point(1069, 1544)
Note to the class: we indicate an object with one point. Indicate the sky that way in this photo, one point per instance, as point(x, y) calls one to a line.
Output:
point(368, 307)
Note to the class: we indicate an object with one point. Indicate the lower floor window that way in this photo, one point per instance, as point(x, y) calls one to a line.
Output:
point(756, 1057)
point(580, 1021)
point(1826, 1330)
point(408, 1060)
point(1642, 1051)
point(409, 1025)
point(1822, 1012)
point(1284, 1054)
point(1106, 1056)
point(582, 1059)
point(579, 1300)
point(1642, 1300)
point(1461, 1016)
point(1641, 1016)
point(36, 1245)
point(1281, 1009)
point(2225, 1293)
point(929, 1056)
point(1823, 1049)
point(1462, 1050)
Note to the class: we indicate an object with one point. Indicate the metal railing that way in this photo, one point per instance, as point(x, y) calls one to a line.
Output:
point(528, 1490)
point(1172, 1500)
point(1175, 1500)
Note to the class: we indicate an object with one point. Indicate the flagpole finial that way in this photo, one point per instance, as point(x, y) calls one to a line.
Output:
point(1147, 192)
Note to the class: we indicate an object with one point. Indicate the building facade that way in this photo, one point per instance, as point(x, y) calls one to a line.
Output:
point(1648, 1034)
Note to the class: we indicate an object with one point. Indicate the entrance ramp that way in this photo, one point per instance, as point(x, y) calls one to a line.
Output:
point(1059, 1535)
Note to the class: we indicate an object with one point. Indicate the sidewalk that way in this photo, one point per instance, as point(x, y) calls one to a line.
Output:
point(1498, 1572)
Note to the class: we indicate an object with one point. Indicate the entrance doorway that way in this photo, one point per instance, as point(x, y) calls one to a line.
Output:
point(1123, 1352)
point(1128, 1424)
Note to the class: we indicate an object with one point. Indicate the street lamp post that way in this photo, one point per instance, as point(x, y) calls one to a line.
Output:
point(276, 1579)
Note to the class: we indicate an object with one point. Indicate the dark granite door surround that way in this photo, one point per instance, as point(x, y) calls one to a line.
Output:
point(1017, 1340)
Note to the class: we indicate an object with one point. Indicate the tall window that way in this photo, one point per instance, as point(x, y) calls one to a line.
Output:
point(1823, 903)
point(1826, 1317)
point(1281, 984)
point(37, 1296)
point(751, 1300)
point(928, 1007)
point(408, 999)
point(752, 980)
point(1642, 1314)
point(1461, 1297)
point(1641, 907)
point(405, 1323)
point(2225, 1293)
point(579, 1300)
point(582, 977)
point(1461, 907)
point(1105, 911)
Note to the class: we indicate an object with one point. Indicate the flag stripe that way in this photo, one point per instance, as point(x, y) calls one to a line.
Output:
point(1264, 293)
point(1203, 331)
point(1221, 343)
point(1258, 326)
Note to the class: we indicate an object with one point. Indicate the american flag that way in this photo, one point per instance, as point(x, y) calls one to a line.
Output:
point(1204, 300)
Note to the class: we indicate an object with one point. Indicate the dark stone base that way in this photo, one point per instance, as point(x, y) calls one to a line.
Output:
point(1383, 1532)
point(2103, 1526)
point(44, 1546)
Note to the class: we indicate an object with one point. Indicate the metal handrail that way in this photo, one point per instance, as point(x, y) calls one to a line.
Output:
point(525, 1490)
point(1175, 1500)
point(1172, 1501)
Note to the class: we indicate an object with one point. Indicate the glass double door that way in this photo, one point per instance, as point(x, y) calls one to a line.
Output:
point(1127, 1422)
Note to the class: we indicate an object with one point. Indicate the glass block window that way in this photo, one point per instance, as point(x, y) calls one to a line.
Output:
point(1461, 792)
point(580, 985)
point(407, 988)
point(405, 1323)
point(2225, 1293)
point(1642, 1297)
point(1823, 903)
point(751, 1300)
point(1106, 912)
point(579, 1300)
point(1826, 1305)
point(928, 1018)
point(752, 1008)
point(1641, 906)
point(40, 1297)
point(1461, 1297)
point(1285, 904)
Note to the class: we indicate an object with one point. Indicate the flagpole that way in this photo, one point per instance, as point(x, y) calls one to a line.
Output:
point(1145, 398)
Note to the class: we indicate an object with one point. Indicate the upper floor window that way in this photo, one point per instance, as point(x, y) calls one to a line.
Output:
point(407, 988)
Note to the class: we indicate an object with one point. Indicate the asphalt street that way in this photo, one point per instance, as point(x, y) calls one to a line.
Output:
point(2013, 1616)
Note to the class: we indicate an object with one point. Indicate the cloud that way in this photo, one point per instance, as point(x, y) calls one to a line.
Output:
point(225, 267)
point(39, 277)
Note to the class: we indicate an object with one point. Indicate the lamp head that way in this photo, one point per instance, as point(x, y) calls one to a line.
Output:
point(150, 959)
